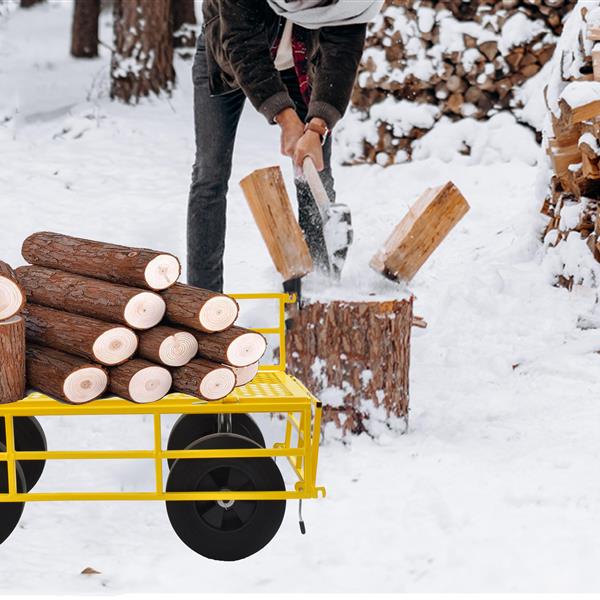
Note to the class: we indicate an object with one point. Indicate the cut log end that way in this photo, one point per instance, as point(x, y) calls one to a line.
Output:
point(218, 313)
point(150, 384)
point(162, 272)
point(178, 349)
point(11, 298)
point(85, 385)
point(115, 346)
point(217, 384)
point(246, 349)
point(244, 375)
point(145, 310)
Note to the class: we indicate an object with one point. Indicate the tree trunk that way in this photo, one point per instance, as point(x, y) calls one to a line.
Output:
point(235, 347)
point(64, 376)
point(140, 381)
point(204, 379)
point(12, 295)
point(200, 309)
point(29, 3)
point(168, 346)
point(89, 338)
point(91, 297)
point(142, 62)
point(84, 30)
point(358, 353)
point(12, 360)
point(138, 267)
point(184, 15)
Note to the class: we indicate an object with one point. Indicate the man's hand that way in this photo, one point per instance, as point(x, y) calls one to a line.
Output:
point(292, 130)
point(309, 145)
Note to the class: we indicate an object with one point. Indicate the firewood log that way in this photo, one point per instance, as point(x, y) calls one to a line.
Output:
point(64, 376)
point(244, 375)
point(140, 381)
point(168, 346)
point(236, 346)
point(100, 342)
point(204, 379)
point(12, 359)
point(12, 296)
point(91, 297)
point(137, 267)
point(200, 309)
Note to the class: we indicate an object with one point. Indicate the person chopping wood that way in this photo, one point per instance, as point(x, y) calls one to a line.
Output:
point(296, 61)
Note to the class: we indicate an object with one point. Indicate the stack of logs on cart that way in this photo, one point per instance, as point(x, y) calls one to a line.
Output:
point(459, 59)
point(573, 136)
point(103, 319)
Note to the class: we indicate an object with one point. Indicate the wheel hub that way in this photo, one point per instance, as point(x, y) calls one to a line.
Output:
point(226, 504)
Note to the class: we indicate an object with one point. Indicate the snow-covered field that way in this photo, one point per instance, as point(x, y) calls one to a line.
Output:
point(495, 486)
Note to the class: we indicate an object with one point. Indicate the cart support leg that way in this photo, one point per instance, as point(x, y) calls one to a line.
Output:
point(158, 454)
point(10, 454)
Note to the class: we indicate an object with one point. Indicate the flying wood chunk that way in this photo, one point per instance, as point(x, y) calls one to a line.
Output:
point(140, 381)
point(91, 297)
point(421, 231)
point(168, 346)
point(64, 376)
point(272, 210)
point(95, 340)
point(244, 375)
point(200, 309)
point(119, 264)
point(12, 360)
point(12, 296)
point(205, 379)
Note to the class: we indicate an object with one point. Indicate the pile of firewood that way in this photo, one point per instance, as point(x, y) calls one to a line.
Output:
point(428, 59)
point(103, 319)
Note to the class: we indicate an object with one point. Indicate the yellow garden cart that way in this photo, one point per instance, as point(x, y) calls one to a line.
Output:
point(224, 493)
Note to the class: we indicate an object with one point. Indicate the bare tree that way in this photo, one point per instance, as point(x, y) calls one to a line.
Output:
point(84, 31)
point(29, 3)
point(184, 18)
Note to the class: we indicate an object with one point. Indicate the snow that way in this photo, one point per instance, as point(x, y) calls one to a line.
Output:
point(493, 488)
point(580, 93)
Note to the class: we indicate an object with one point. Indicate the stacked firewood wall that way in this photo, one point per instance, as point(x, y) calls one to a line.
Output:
point(458, 59)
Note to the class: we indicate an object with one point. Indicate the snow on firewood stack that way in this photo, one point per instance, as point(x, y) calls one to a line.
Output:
point(428, 62)
point(105, 317)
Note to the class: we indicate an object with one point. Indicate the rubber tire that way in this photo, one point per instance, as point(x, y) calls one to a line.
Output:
point(10, 512)
point(189, 428)
point(29, 437)
point(205, 539)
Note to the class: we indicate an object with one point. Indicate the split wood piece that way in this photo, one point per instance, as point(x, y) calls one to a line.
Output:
point(204, 379)
point(91, 297)
point(200, 309)
point(140, 381)
point(235, 347)
point(12, 296)
point(564, 157)
point(578, 114)
point(244, 375)
point(596, 61)
point(593, 33)
point(119, 264)
point(12, 360)
point(421, 231)
point(272, 210)
point(101, 342)
point(64, 376)
point(168, 346)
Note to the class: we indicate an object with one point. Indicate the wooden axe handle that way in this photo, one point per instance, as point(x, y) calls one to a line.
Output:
point(316, 186)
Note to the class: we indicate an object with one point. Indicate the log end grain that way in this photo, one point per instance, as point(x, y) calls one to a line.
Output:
point(218, 313)
point(178, 349)
point(150, 384)
point(115, 346)
point(246, 349)
point(217, 384)
point(12, 298)
point(145, 310)
point(244, 375)
point(162, 272)
point(85, 385)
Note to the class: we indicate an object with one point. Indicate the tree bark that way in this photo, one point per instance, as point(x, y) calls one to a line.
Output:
point(184, 15)
point(84, 30)
point(89, 338)
point(235, 347)
point(12, 295)
point(12, 360)
point(91, 297)
point(138, 267)
point(360, 353)
point(168, 346)
point(204, 379)
point(140, 381)
point(200, 309)
point(142, 62)
point(64, 376)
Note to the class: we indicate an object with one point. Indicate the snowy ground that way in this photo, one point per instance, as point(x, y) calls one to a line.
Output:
point(495, 486)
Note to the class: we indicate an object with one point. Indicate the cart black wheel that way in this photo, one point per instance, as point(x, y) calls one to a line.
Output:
point(189, 428)
point(29, 437)
point(10, 512)
point(225, 530)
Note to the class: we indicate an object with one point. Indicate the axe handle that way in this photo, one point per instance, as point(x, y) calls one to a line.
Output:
point(316, 187)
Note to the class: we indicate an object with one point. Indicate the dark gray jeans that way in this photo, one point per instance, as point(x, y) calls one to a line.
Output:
point(216, 121)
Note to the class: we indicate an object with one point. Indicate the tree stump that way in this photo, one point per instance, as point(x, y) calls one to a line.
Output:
point(12, 360)
point(355, 357)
